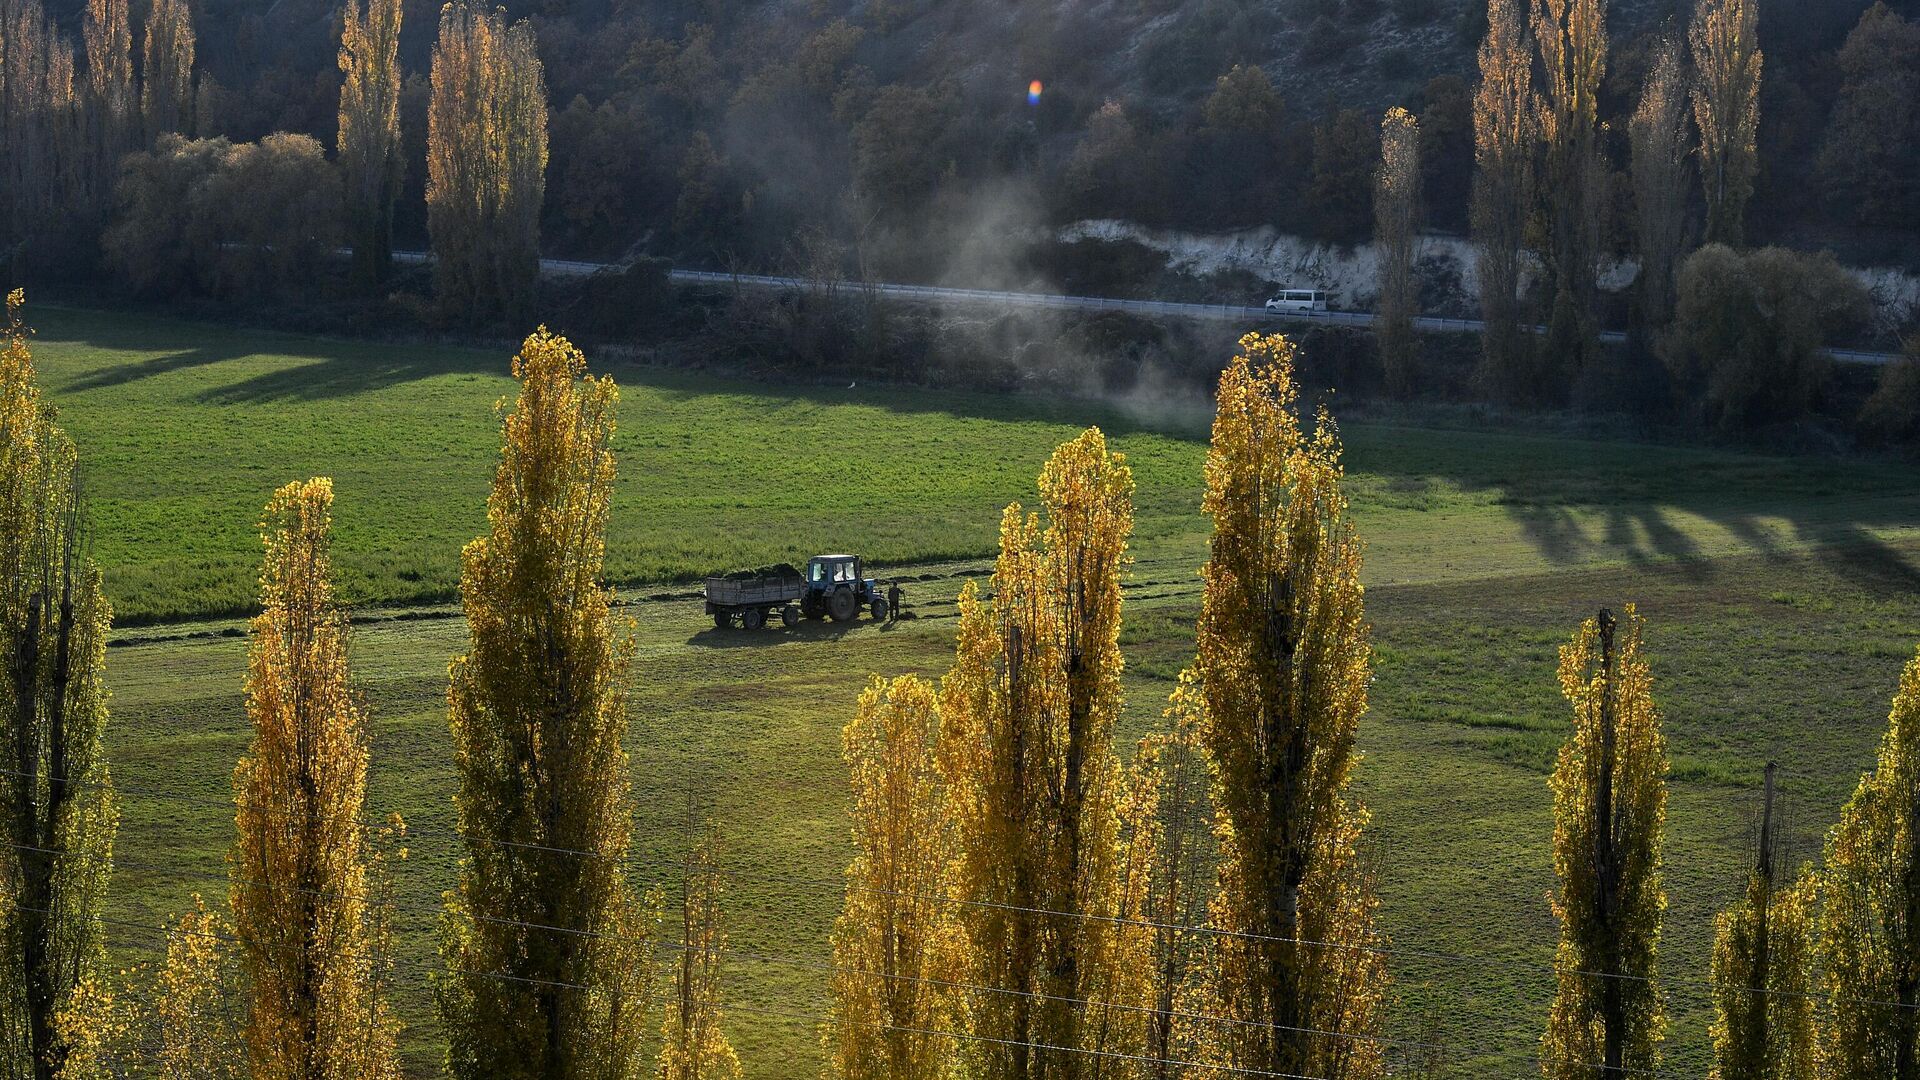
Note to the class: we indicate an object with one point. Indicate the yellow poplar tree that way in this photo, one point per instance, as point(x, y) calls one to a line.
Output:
point(195, 1015)
point(1869, 933)
point(486, 160)
point(1396, 216)
point(544, 934)
point(166, 87)
point(1164, 810)
point(894, 945)
point(1658, 135)
point(299, 890)
point(1028, 711)
point(1763, 988)
point(1280, 683)
point(1609, 809)
point(370, 151)
point(56, 796)
point(1503, 143)
point(693, 1044)
point(1725, 38)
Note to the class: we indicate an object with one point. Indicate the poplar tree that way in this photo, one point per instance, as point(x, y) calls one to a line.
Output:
point(39, 119)
point(1762, 974)
point(544, 936)
point(1725, 38)
point(1167, 796)
point(1870, 915)
point(300, 889)
point(1571, 36)
point(56, 795)
point(895, 943)
point(693, 1044)
point(196, 1018)
point(112, 101)
point(1658, 134)
point(486, 161)
point(1504, 134)
point(370, 150)
point(1028, 712)
point(1281, 671)
point(1396, 211)
point(166, 71)
point(1609, 810)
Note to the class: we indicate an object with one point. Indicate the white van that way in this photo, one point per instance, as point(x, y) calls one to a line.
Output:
point(1298, 300)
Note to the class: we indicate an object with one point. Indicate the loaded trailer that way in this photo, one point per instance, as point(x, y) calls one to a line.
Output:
point(833, 586)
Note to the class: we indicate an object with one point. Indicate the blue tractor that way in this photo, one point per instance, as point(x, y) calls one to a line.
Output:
point(832, 587)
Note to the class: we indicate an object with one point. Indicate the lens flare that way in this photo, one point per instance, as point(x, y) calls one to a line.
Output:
point(1033, 92)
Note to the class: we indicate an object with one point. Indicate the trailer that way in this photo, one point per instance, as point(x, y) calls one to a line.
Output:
point(833, 586)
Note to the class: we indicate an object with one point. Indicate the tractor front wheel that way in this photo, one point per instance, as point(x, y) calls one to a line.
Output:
point(842, 606)
point(879, 609)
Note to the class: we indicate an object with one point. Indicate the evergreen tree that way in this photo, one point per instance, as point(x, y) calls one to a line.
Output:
point(1503, 137)
point(1609, 810)
point(1028, 712)
point(1281, 678)
point(1396, 216)
point(895, 943)
point(486, 161)
point(545, 938)
point(1726, 108)
point(300, 888)
point(56, 796)
point(1870, 915)
point(370, 150)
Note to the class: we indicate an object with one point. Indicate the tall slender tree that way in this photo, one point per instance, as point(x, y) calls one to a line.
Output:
point(39, 136)
point(1504, 135)
point(538, 709)
point(1609, 810)
point(112, 97)
point(693, 1045)
point(55, 789)
point(1658, 133)
point(1028, 712)
point(1571, 36)
point(895, 943)
point(1281, 675)
point(299, 890)
point(1762, 973)
point(166, 70)
point(1725, 37)
point(486, 160)
point(370, 150)
point(1870, 915)
point(1167, 790)
point(1396, 219)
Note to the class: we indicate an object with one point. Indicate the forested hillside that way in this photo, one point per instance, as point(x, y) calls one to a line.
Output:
point(724, 132)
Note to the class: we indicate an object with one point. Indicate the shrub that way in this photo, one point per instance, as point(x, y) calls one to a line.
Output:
point(1750, 330)
point(1891, 417)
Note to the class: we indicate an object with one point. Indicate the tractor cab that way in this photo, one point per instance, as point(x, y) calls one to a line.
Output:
point(835, 587)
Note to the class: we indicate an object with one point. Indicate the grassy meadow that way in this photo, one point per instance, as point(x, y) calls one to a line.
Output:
point(1783, 596)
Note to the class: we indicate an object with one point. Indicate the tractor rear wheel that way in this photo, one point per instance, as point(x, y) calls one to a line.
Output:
point(722, 620)
point(753, 618)
point(842, 606)
point(789, 615)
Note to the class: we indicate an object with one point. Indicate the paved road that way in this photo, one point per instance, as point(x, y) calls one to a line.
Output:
point(993, 298)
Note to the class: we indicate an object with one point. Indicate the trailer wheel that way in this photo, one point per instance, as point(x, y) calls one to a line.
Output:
point(722, 620)
point(789, 615)
point(753, 618)
point(842, 605)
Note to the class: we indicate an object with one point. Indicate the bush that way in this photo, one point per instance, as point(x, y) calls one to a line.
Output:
point(1891, 417)
point(1750, 332)
point(233, 218)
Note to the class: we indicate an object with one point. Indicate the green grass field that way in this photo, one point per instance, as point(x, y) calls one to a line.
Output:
point(1783, 595)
